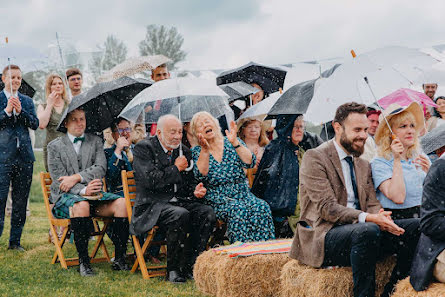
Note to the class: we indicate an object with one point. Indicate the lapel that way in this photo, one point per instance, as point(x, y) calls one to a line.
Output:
point(70, 152)
point(361, 178)
point(85, 150)
point(3, 99)
point(162, 156)
point(335, 160)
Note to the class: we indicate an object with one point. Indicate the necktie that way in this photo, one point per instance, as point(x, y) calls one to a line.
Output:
point(354, 183)
point(79, 139)
point(169, 156)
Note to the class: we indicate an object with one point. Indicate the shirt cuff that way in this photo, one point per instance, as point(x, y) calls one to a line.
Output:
point(7, 113)
point(81, 178)
point(362, 217)
point(118, 156)
point(83, 191)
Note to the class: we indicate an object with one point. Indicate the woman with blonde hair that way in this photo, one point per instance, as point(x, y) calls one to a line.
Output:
point(253, 133)
point(50, 113)
point(219, 162)
point(400, 168)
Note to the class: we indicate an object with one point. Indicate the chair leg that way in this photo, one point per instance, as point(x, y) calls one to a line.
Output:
point(59, 244)
point(100, 240)
point(140, 261)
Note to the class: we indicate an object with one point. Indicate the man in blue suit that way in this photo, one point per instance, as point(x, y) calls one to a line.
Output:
point(17, 114)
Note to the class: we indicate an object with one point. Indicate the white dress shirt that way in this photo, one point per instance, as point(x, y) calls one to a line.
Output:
point(347, 177)
point(8, 95)
point(77, 146)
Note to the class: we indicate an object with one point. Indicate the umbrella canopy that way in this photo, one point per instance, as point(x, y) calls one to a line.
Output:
point(405, 97)
point(259, 111)
point(104, 101)
point(25, 88)
point(237, 90)
point(134, 65)
point(182, 97)
point(386, 70)
point(295, 100)
point(270, 79)
point(433, 140)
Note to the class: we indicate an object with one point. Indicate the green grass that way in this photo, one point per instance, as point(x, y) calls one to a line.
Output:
point(31, 273)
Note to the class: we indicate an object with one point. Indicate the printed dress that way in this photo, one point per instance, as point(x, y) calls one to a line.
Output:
point(248, 218)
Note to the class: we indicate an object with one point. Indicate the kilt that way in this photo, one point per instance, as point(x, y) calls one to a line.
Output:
point(62, 207)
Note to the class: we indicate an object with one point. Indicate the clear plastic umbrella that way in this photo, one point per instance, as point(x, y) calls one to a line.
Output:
point(260, 110)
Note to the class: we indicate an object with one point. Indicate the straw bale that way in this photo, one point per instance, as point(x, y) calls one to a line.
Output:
point(404, 289)
point(304, 281)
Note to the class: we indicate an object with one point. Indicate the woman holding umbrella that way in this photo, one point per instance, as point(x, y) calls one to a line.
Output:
point(50, 113)
point(219, 163)
point(399, 169)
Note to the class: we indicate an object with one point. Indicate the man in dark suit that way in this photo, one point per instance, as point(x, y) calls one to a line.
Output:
point(77, 165)
point(17, 114)
point(168, 196)
point(119, 156)
point(341, 221)
point(430, 254)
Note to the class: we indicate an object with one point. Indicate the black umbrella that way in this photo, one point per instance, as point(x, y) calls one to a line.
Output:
point(270, 79)
point(25, 88)
point(104, 102)
point(294, 101)
point(237, 90)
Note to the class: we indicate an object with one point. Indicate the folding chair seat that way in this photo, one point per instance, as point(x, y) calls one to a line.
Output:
point(129, 186)
point(45, 181)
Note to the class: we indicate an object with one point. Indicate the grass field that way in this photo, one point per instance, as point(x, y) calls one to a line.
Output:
point(31, 274)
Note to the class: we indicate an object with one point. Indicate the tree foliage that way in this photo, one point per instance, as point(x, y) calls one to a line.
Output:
point(160, 40)
point(112, 52)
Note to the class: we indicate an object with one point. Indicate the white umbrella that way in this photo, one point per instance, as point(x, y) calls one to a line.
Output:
point(386, 70)
point(134, 65)
point(259, 111)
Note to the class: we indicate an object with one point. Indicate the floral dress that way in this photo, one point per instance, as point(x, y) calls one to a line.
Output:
point(248, 218)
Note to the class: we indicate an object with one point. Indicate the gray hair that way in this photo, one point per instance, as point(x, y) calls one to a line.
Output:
point(163, 119)
point(199, 115)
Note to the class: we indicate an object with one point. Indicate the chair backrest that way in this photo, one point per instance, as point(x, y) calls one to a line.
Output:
point(45, 182)
point(129, 186)
point(251, 175)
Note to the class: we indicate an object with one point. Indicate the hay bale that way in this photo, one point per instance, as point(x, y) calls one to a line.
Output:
point(404, 289)
point(304, 281)
point(221, 276)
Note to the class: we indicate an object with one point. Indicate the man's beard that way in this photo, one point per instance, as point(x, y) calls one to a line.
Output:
point(349, 145)
point(170, 145)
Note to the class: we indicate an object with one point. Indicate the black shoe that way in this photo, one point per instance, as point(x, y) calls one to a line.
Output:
point(120, 264)
point(85, 269)
point(188, 275)
point(175, 278)
point(18, 248)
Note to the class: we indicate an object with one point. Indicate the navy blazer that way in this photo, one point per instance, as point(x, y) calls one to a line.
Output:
point(432, 226)
point(114, 167)
point(15, 128)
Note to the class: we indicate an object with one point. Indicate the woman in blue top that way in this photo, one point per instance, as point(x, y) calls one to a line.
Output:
point(399, 170)
point(219, 163)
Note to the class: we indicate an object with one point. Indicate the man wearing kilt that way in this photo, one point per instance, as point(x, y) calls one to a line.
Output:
point(77, 165)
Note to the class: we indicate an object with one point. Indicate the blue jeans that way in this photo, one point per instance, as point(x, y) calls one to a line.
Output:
point(360, 245)
point(19, 175)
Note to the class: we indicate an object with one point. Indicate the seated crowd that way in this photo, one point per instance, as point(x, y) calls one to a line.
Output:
point(369, 192)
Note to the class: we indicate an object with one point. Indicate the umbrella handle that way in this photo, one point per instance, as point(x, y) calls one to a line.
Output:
point(190, 167)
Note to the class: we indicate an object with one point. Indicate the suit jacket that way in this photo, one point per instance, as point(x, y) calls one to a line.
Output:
point(63, 161)
point(114, 168)
point(15, 128)
point(432, 226)
point(323, 200)
point(155, 177)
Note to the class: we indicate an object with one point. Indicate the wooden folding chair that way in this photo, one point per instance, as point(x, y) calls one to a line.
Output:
point(129, 186)
point(45, 181)
point(251, 175)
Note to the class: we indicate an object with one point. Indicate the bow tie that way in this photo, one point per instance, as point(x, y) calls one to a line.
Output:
point(79, 139)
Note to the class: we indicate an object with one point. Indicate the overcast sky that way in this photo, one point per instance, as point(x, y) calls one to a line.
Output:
point(229, 33)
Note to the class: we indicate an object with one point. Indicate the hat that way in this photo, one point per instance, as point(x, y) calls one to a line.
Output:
point(433, 140)
point(394, 109)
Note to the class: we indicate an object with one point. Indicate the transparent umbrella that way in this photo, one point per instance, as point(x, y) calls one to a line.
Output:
point(260, 110)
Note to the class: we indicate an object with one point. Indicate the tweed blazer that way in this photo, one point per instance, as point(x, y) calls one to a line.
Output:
point(323, 201)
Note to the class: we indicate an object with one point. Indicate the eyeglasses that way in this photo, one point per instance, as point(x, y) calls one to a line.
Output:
point(298, 127)
point(126, 130)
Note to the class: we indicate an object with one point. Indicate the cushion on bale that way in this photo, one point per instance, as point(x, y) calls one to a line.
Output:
point(304, 281)
point(404, 289)
point(221, 276)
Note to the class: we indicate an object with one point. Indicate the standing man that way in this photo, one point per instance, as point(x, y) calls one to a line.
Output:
point(75, 80)
point(430, 90)
point(168, 196)
point(370, 145)
point(17, 114)
point(159, 73)
point(341, 222)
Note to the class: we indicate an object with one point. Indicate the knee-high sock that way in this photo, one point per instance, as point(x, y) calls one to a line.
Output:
point(81, 229)
point(120, 236)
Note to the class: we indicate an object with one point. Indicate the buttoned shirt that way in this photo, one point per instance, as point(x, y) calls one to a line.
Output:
point(8, 95)
point(348, 182)
point(77, 146)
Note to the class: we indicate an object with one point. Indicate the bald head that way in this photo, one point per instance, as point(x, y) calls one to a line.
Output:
point(169, 131)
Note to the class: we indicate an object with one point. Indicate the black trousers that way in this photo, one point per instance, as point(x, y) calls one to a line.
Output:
point(188, 226)
point(19, 174)
point(361, 245)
